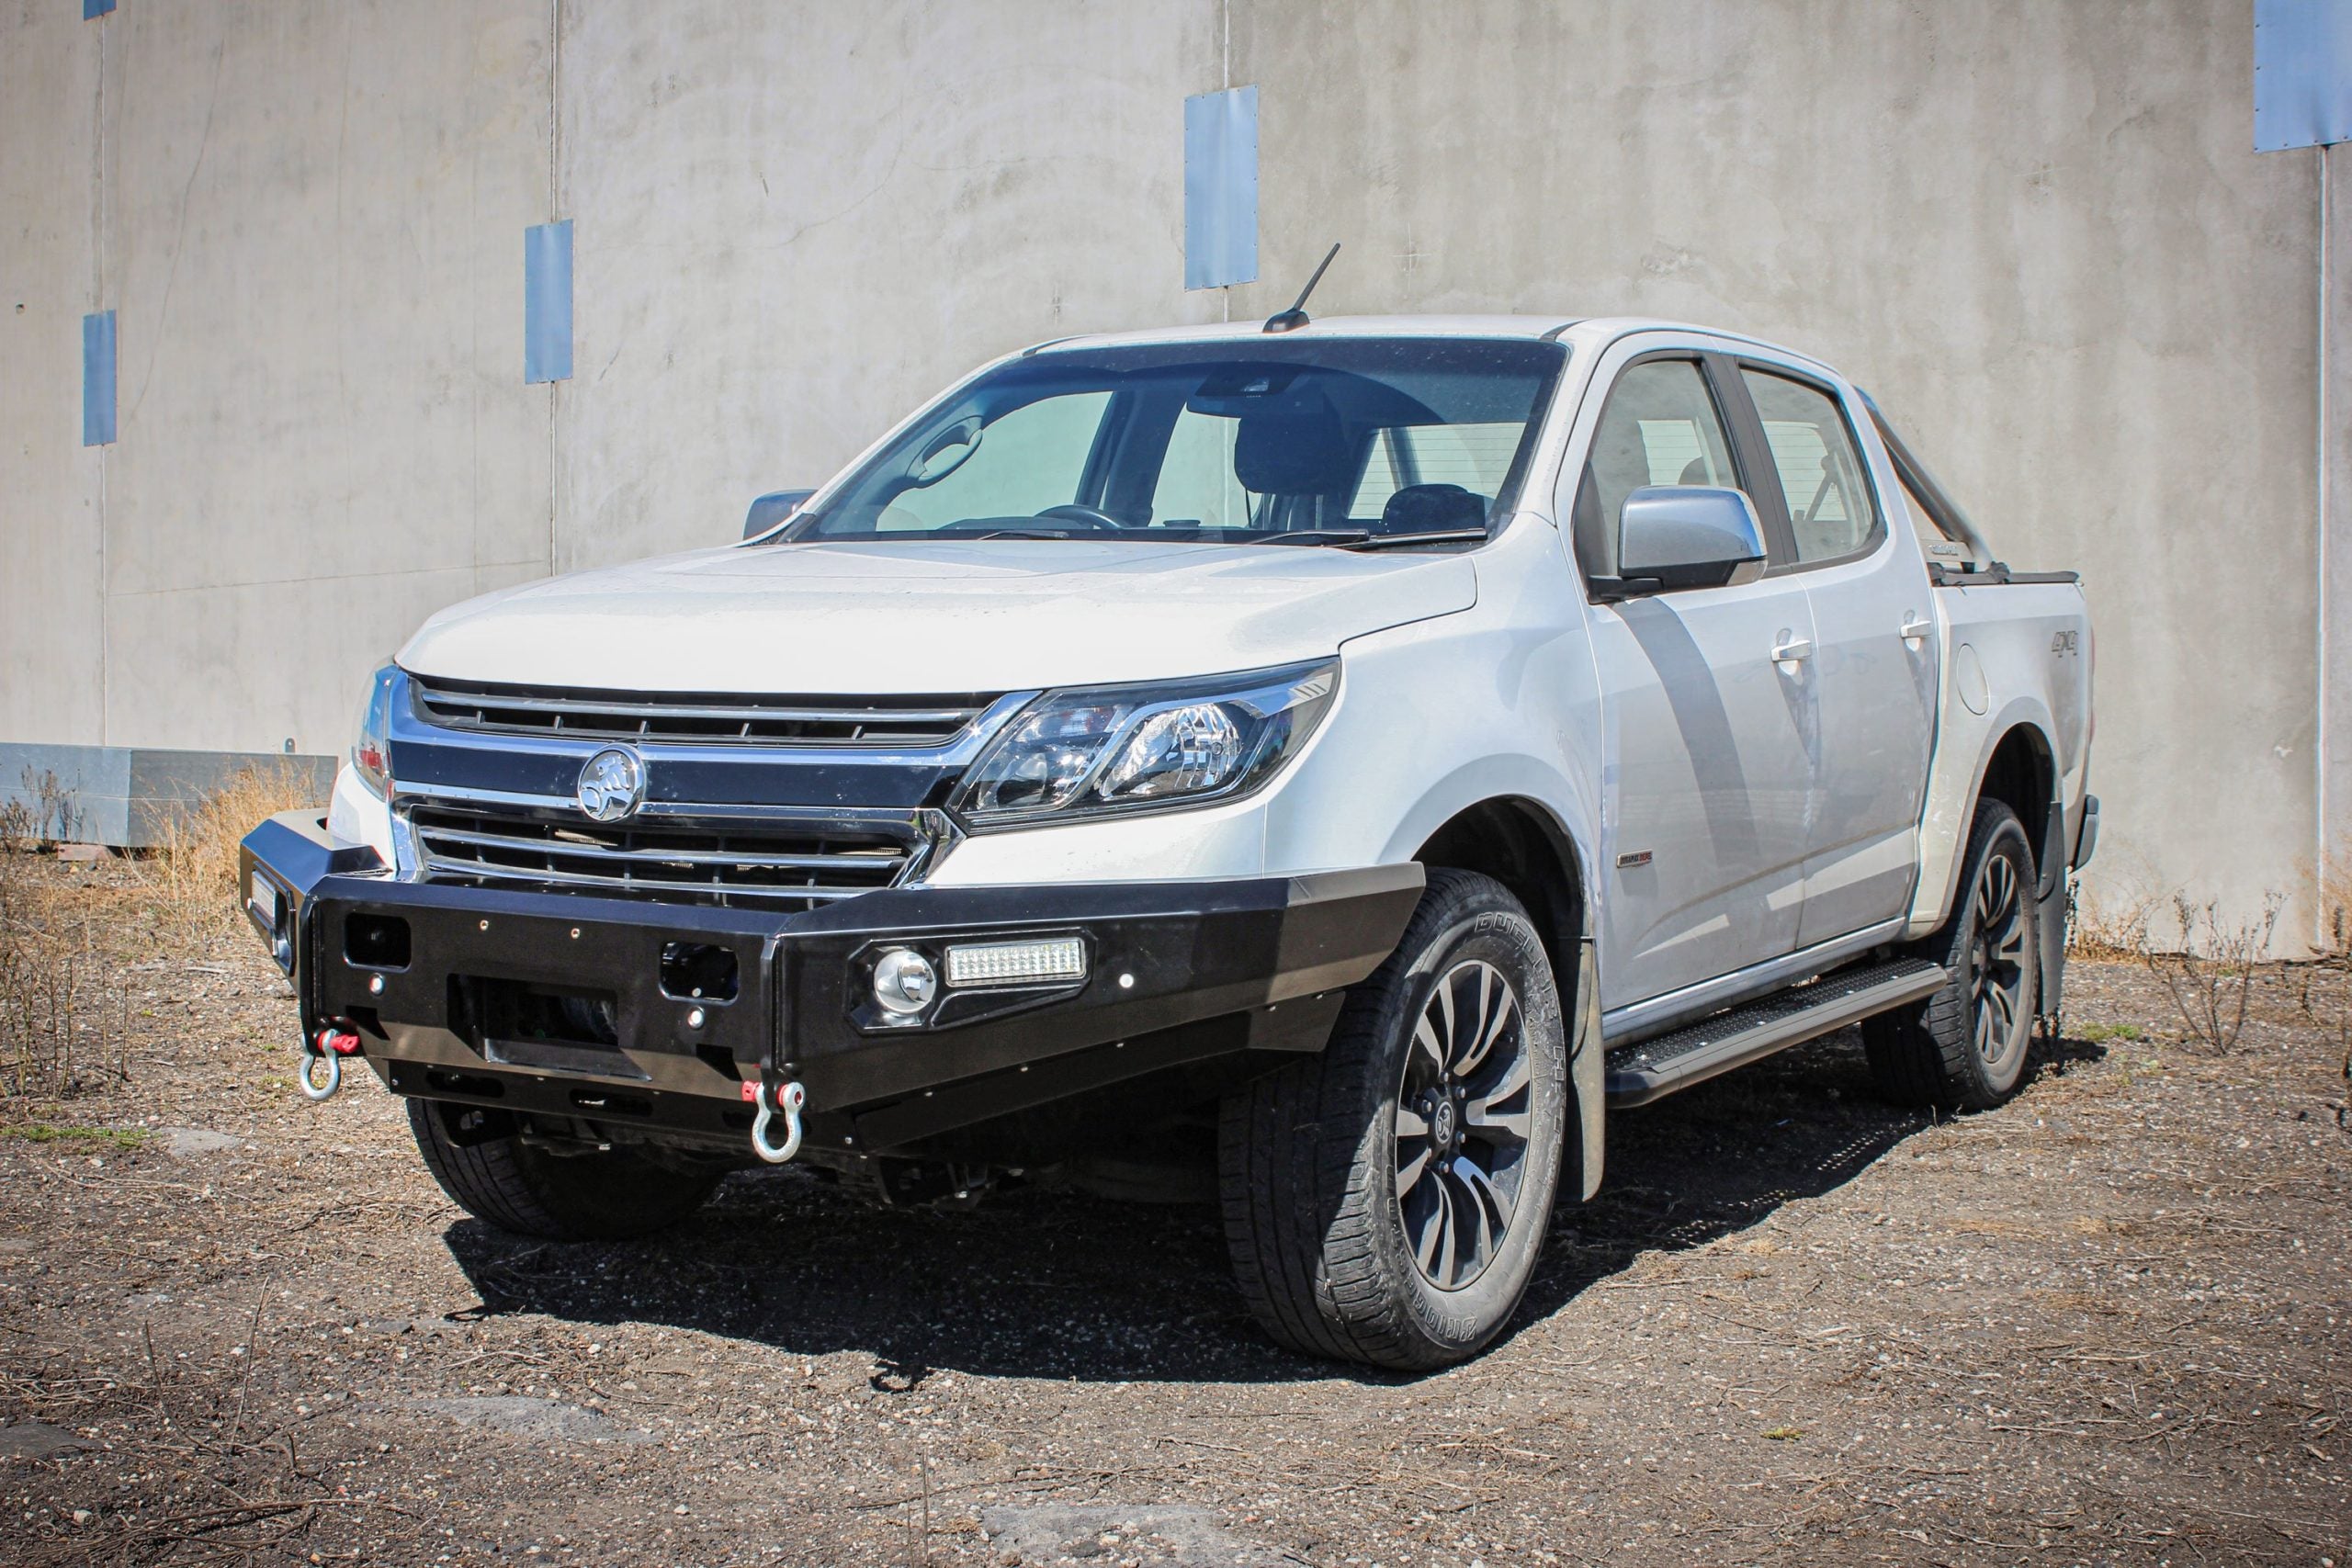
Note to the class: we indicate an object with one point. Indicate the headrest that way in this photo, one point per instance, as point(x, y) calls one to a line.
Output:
point(1293, 445)
point(1428, 509)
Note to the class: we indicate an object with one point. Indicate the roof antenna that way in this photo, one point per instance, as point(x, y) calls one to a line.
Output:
point(1290, 321)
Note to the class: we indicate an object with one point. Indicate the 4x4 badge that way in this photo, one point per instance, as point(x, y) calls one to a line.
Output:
point(612, 785)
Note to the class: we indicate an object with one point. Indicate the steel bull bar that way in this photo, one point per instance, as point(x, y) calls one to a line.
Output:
point(690, 1023)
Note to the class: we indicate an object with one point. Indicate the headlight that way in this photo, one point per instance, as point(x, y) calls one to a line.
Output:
point(1090, 750)
point(372, 756)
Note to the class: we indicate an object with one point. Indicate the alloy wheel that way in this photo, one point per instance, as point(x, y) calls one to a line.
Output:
point(1997, 960)
point(1463, 1113)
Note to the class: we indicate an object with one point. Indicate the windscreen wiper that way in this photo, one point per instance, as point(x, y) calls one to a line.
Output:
point(1317, 536)
point(1365, 539)
point(1434, 537)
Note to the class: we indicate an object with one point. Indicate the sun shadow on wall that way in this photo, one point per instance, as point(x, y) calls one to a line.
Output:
point(1057, 1285)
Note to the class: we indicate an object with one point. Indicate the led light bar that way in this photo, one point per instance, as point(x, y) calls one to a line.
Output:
point(1016, 963)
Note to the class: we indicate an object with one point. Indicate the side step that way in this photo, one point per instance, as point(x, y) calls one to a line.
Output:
point(1655, 1068)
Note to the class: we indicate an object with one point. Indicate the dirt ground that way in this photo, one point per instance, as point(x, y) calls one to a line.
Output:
point(2110, 1323)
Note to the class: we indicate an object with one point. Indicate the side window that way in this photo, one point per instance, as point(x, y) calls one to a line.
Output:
point(1660, 427)
point(1831, 508)
point(1028, 459)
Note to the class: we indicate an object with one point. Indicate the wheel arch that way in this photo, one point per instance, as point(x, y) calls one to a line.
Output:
point(2009, 756)
point(2021, 771)
point(1520, 843)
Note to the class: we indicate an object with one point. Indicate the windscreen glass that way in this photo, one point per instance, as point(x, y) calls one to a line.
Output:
point(1345, 437)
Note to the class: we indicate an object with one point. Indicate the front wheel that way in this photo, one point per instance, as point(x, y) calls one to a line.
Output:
point(1964, 1048)
point(1384, 1200)
point(530, 1190)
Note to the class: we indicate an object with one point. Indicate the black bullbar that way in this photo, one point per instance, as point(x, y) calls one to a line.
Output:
point(642, 1018)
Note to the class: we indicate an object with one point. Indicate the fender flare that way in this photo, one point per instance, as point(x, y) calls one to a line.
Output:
point(1944, 827)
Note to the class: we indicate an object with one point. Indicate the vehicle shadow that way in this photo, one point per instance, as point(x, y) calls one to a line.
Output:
point(1044, 1284)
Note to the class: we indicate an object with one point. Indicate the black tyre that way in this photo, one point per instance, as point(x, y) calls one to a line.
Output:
point(1384, 1200)
point(595, 1195)
point(1964, 1048)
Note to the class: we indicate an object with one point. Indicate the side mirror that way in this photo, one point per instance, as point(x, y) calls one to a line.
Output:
point(772, 509)
point(1675, 536)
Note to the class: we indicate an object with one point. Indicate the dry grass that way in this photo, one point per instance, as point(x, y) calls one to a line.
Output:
point(56, 1003)
point(2113, 930)
point(194, 870)
point(67, 945)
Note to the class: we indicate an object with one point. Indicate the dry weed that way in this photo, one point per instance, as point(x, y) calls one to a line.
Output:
point(194, 870)
point(2211, 976)
point(54, 1006)
point(2113, 930)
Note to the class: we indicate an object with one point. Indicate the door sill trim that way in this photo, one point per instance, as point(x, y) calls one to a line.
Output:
point(1674, 1009)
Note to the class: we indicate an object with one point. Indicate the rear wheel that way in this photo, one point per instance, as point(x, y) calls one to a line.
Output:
point(594, 1195)
point(1384, 1200)
point(1964, 1048)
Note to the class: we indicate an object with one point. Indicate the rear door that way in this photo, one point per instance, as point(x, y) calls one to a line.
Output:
point(1874, 656)
point(1709, 736)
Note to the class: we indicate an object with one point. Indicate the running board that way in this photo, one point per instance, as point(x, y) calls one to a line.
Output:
point(1655, 1068)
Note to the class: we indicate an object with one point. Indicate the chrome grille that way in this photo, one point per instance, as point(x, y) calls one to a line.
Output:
point(697, 718)
point(734, 864)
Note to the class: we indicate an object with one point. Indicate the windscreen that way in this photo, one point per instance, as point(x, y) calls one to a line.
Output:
point(1223, 442)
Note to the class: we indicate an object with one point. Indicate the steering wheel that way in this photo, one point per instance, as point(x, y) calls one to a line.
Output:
point(1083, 516)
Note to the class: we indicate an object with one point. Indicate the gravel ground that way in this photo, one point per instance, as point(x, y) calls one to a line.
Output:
point(2108, 1323)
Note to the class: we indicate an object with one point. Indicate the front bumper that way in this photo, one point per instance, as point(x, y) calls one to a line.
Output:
point(636, 1018)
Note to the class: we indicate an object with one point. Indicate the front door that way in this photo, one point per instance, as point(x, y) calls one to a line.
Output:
point(1703, 812)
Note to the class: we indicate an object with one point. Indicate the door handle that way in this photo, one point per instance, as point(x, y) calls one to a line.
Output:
point(1915, 628)
point(1792, 649)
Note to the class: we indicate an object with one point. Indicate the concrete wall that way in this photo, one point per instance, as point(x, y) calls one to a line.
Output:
point(2037, 232)
point(308, 220)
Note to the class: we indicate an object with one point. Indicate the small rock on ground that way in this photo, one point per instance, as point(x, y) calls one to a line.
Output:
point(528, 1418)
point(1163, 1537)
point(182, 1142)
point(32, 1439)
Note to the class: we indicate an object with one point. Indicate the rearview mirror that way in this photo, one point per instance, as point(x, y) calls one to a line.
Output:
point(947, 452)
point(1676, 537)
point(772, 509)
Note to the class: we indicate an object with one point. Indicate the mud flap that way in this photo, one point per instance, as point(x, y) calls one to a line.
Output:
point(2050, 921)
point(1588, 1075)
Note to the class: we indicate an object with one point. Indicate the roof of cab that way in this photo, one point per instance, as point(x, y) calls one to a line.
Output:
point(1588, 333)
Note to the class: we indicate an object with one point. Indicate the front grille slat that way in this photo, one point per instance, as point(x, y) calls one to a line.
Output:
point(699, 719)
point(658, 856)
point(768, 865)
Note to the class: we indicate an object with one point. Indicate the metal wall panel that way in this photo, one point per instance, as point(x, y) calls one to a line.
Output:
point(2303, 74)
point(98, 379)
point(1221, 188)
point(546, 302)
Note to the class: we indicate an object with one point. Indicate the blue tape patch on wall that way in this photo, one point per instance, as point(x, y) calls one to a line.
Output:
point(546, 302)
point(2303, 74)
point(92, 9)
point(98, 379)
point(1221, 188)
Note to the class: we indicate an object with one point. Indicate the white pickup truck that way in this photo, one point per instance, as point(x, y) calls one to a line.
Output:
point(1363, 750)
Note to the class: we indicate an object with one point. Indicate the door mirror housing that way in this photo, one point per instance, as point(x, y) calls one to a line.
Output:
point(772, 509)
point(1677, 536)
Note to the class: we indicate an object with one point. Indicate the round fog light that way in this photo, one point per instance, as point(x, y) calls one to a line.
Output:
point(904, 981)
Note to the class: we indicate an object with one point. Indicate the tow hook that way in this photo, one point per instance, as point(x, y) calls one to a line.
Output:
point(323, 1055)
point(785, 1099)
